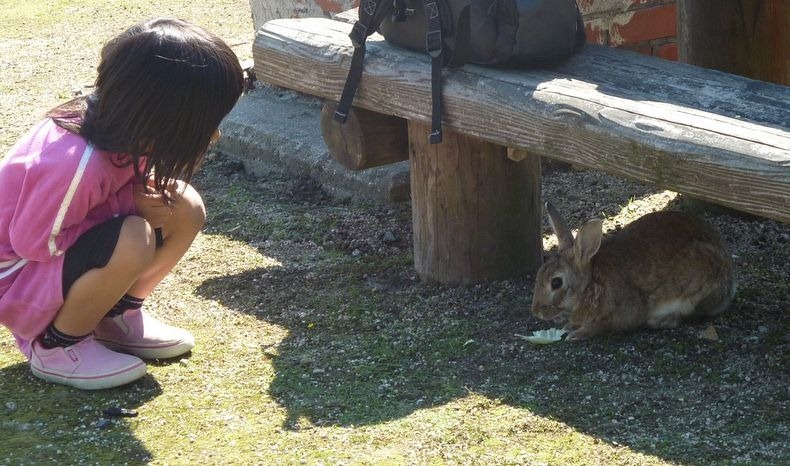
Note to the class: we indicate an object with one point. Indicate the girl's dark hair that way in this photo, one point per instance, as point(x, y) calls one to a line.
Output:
point(162, 89)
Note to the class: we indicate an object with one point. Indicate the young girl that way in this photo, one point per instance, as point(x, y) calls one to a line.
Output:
point(93, 214)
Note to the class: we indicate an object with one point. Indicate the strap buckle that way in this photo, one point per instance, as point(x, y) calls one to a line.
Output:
point(433, 43)
point(339, 116)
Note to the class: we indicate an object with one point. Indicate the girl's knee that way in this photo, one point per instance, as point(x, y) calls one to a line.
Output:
point(189, 207)
point(136, 243)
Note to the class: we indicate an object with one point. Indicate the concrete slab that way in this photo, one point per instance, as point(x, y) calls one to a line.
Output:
point(274, 127)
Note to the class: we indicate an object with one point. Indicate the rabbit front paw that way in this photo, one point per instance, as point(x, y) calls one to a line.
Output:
point(580, 333)
point(570, 326)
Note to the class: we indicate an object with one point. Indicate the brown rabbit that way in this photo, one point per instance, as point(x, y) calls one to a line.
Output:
point(660, 270)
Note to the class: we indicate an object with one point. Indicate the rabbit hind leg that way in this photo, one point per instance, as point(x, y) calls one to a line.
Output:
point(717, 296)
point(669, 314)
point(716, 302)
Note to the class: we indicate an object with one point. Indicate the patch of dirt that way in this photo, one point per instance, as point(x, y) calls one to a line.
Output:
point(383, 232)
point(308, 191)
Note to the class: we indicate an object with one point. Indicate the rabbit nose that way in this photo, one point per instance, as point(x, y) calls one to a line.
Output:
point(540, 310)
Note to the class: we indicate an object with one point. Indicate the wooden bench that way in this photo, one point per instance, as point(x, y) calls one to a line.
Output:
point(476, 197)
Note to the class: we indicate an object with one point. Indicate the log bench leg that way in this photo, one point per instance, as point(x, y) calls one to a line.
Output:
point(366, 140)
point(476, 213)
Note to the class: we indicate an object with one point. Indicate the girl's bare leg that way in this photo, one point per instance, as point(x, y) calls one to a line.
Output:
point(188, 218)
point(136, 266)
point(96, 291)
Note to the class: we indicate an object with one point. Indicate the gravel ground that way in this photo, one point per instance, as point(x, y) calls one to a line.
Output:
point(718, 388)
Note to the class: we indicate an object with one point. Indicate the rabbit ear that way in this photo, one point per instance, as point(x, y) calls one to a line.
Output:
point(588, 241)
point(564, 235)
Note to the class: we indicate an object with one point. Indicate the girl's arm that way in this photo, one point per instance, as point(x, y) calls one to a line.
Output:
point(151, 206)
point(63, 197)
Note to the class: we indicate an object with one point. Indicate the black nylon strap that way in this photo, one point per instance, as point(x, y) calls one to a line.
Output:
point(436, 100)
point(433, 45)
point(371, 13)
point(350, 88)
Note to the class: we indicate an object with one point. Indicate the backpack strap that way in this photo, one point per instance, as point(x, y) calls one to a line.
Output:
point(433, 45)
point(371, 14)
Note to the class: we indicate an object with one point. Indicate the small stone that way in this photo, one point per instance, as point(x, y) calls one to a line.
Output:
point(306, 361)
point(376, 286)
point(389, 237)
point(762, 329)
point(10, 406)
point(103, 423)
point(115, 411)
point(710, 334)
point(356, 253)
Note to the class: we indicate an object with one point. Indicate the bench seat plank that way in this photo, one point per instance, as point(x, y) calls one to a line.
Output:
point(712, 135)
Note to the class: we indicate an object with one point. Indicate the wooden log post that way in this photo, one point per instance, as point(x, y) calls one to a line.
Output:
point(746, 37)
point(367, 139)
point(475, 211)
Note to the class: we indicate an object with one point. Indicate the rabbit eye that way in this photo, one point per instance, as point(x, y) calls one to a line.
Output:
point(556, 283)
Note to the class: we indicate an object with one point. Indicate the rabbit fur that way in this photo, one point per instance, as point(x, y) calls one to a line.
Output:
point(659, 271)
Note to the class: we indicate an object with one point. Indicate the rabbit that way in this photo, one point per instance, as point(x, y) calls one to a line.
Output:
point(659, 271)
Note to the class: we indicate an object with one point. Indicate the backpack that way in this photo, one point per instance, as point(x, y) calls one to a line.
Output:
point(502, 33)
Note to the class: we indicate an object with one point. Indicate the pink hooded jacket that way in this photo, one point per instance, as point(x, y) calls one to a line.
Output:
point(54, 186)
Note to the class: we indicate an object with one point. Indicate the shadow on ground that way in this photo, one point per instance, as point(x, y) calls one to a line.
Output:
point(368, 343)
point(53, 424)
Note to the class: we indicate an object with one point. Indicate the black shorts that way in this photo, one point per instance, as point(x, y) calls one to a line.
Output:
point(94, 249)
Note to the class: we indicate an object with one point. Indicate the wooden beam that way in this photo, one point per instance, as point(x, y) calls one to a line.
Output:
point(367, 139)
point(718, 137)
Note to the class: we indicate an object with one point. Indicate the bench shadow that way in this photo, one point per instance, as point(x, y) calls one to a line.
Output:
point(40, 421)
point(369, 343)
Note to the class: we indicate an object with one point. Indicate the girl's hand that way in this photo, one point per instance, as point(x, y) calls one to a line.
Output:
point(151, 206)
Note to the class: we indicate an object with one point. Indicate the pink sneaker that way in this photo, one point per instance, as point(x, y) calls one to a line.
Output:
point(140, 334)
point(86, 365)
